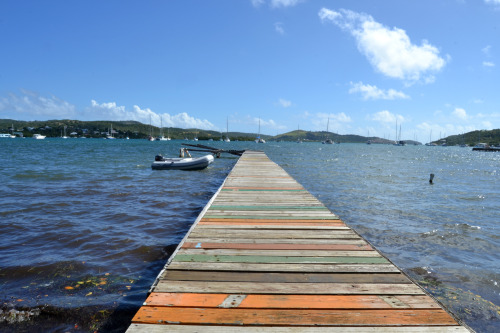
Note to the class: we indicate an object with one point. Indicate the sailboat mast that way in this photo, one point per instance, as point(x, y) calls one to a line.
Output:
point(396, 130)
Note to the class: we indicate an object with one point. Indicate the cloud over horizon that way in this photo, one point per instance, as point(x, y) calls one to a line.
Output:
point(375, 93)
point(145, 116)
point(389, 51)
point(33, 106)
point(387, 118)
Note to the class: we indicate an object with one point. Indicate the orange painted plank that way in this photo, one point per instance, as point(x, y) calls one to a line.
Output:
point(205, 219)
point(269, 246)
point(296, 317)
point(185, 299)
point(287, 301)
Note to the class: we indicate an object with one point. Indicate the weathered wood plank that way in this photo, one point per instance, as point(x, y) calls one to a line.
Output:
point(289, 288)
point(269, 277)
point(275, 225)
point(272, 220)
point(280, 253)
point(306, 214)
point(273, 189)
point(329, 241)
point(261, 207)
point(295, 234)
point(305, 268)
point(269, 216)
point(278, 259)
point(293, 317)
point(145, 328)
point(284, 301)
point(276, 246)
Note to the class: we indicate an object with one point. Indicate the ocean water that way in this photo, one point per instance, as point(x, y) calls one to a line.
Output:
point(86, 225)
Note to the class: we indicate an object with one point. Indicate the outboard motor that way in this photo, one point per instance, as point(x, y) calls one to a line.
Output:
point(158, 158)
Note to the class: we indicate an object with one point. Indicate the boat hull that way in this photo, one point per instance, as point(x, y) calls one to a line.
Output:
point(197, 163)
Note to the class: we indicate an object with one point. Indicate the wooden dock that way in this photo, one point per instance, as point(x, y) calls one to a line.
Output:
point(267, 256)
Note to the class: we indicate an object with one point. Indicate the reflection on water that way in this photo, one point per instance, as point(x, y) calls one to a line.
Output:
point(87, 225)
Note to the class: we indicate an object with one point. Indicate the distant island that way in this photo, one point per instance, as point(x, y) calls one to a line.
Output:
point(137, 130)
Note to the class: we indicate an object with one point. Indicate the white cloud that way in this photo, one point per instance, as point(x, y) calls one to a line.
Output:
point(278, 26)
point(487, 125)
point(257, 3)
point(387, 118)
point(334, 121)
point(487, 49)
point(186, 121)
point(436, 131)
point(328, 14)
point(284, 3)
point(460, 113)
point(492, 2)
point(252, 124)
point(276, 3)
point(284, 103)
point(105, 111)
point(342, 118)
point(32, 106)
point(488, 64)
point(372, 92)
point(390, 51)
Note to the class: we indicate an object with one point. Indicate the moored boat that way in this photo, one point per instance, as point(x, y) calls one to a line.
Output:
point(485, 147)
point(38, 136)
point(181, 163)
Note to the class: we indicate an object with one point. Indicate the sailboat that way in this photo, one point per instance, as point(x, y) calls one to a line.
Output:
point(430, 141)
point(110, 133)
point(299, 140)
point(328, 140)
point(227, 131)
point(259, 139)
point(398, 141)
point(64, 137)
point(150, 137)
point(162, 137)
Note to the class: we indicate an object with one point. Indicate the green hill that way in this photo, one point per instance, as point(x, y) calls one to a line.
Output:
point(121, 129)
point(137, 130)
point(492, 137)
point(320, 136)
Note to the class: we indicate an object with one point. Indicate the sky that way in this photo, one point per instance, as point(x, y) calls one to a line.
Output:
point(357, 67)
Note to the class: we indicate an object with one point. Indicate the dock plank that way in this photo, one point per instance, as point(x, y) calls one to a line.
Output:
point(385, 278)
point(287, 253)
point(304, 288)
point(251, 267)
point(287, 301)
point(295, 317)
point(142, 328)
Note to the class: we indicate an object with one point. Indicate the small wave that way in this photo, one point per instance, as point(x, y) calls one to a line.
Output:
point(466, 227)
point(44, 176)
